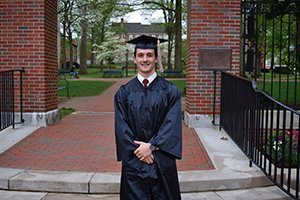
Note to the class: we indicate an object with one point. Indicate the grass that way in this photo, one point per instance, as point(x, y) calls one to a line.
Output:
point(97, 73)
point(277, 77)
point(281, 92)
point(80, 88)
point(92, 73)
point(181, 84)
point(64, 112)
point(284, 87)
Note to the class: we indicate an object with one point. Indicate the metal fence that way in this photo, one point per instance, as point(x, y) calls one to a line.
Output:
point(271, 47)
point(8, 95)
point(266, 130)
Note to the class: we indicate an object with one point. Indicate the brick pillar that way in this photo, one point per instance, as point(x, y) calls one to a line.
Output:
point(28, 38)
point(211, 24)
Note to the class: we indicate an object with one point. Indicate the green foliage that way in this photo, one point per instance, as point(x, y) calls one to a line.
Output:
point(64, 112)
point(277, 34)
point(181, 84)
point(281, 90)
point(79, 88)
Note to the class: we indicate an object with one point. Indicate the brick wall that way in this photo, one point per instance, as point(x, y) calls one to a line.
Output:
point(211, 24)
point(28, 38)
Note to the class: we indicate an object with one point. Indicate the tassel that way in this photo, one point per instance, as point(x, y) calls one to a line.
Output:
point(159, 62)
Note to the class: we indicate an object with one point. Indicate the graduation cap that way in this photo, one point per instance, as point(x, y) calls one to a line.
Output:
point(148, 42)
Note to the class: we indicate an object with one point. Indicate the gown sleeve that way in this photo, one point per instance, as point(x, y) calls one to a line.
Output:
point(169, 136)
point(123, 134)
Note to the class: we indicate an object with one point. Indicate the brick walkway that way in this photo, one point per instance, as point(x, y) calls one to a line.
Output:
point(85, 142)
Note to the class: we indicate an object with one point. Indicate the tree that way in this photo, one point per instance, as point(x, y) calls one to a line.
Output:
point(172, 10)
point(102, 12)
point(66, 16)
point(112, 50)
point(178, 35)
point(83, 42)
point(282, 32)
point(168, 9)
point(89, 20)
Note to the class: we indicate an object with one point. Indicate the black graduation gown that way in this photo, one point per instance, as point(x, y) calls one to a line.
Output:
point(149, 115)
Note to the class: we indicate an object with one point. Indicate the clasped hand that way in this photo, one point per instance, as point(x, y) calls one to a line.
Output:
point(143, 152)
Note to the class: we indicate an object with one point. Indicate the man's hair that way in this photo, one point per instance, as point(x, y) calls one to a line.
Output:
point(155, 52)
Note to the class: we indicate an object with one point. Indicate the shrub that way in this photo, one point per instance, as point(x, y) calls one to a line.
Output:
point(280, 144)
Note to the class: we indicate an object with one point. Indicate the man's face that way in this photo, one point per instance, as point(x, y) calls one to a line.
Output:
point(145, 60)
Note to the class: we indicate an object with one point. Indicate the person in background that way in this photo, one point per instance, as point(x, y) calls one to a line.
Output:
point(148, 129)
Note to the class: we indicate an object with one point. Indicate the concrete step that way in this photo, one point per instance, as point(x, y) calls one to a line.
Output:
point(91, 183)
point(263, 193)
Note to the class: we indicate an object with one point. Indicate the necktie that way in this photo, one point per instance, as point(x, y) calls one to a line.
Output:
point(145, 82)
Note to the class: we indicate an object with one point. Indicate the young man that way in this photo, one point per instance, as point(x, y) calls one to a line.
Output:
point(148, 130)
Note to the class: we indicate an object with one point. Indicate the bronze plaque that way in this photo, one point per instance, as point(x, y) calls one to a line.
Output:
point(215, 59)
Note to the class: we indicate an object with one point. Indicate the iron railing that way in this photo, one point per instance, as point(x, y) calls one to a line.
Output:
point(271, 47)
point(9, 95)
point(266, 130)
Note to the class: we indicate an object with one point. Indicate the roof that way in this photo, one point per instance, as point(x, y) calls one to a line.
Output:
point(138, 28)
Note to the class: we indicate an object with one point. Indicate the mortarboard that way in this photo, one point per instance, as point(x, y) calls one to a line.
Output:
point(146, 42)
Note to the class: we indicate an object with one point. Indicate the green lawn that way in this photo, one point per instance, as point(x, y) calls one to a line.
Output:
point(284, 88)
point(80, 88)
point(181, 84)
point(97, 73)
point(92, 73)
point(277, 77)
point(283, 92)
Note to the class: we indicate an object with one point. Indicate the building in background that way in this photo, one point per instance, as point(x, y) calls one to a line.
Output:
point(128, 31)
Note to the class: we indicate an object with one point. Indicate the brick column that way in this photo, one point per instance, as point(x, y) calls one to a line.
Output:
point(211, 24)
point(28, 38)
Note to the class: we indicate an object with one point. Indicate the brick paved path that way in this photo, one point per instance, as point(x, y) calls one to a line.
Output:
point(85, 142)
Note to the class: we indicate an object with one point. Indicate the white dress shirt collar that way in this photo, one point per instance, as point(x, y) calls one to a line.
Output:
point(150, 78)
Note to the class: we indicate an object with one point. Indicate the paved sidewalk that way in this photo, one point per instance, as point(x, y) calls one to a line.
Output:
point(84, 141)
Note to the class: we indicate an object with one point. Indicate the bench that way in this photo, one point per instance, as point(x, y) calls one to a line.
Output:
point(172, 73)
point(62, 77)
point(112, 72)
point(71, 73)
point(281, 69)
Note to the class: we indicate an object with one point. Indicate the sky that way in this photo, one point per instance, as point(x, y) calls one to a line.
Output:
point(140, 17)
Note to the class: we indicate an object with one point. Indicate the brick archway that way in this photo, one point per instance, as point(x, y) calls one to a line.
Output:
point(28, 35)
point(214, 25)
point(28, 38)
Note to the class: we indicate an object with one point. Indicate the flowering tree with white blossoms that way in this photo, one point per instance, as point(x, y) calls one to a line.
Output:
point(112, 50)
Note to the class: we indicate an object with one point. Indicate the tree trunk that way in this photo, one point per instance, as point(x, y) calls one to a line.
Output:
point(93, 41)
point(178, 40)
point(298, 44)
point(70, 48)
point(64, 44)
point(71, 53)
point(170, 39)
point(83, 44)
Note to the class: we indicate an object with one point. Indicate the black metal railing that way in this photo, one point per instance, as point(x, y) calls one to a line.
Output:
point(271, 47)
point(9, 95)
point(266, 130)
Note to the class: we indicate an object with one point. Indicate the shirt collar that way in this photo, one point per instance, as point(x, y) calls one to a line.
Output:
point(150, 78)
